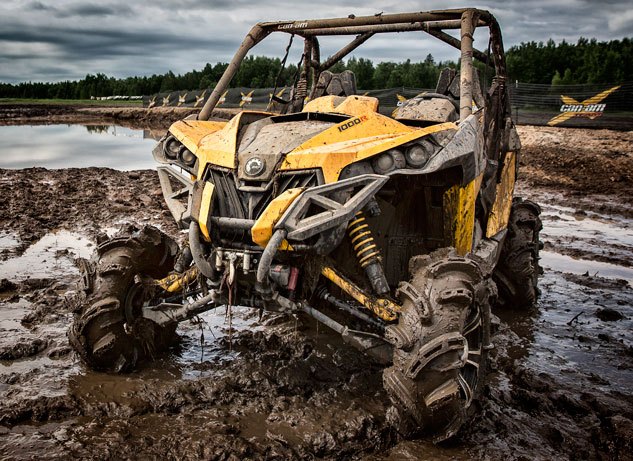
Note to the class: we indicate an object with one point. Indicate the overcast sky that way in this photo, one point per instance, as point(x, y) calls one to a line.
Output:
point(43, 40)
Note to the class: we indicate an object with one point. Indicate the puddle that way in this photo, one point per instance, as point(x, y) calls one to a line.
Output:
point(587, 242)
point(208, 341)
point(8, 242)
point(566, 338)
point(51, 256)
point(566, 222)
point(76, 146)
point(563, 263)
point(205, 340)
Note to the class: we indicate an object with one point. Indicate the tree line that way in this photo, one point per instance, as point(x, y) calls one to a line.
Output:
point(587, 61)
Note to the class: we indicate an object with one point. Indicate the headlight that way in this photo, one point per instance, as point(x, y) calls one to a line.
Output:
point(419, 153)
point(415, 154)
point(171, 147)
point(187, 157)
point(388, 161)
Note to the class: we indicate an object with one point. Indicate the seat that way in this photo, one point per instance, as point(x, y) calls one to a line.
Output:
point(442, 105)
point(331, 84)
point(448, 85)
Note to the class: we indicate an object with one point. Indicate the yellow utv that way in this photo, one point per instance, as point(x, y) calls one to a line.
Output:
point(398, 232)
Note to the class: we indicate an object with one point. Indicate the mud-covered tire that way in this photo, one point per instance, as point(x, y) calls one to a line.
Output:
point(441, 345)
point(107, 331)
point(516, 274)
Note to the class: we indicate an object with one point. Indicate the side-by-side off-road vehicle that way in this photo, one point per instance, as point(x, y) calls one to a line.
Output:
point(398, 232)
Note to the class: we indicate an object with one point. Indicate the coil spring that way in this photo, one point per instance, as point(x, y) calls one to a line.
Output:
point(365, 247)
point(302, 88)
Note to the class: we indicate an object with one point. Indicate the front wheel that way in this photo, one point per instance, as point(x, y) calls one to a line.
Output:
point(108, 332)
point(442, 339)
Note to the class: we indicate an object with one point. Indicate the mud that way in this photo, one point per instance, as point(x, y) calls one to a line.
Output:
point(132, 117)
point(38, 201)
point(593, 168)
point(279, 387)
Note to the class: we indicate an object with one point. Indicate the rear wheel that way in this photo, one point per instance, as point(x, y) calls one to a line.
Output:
point(108, 332)
point(516, 274)
point(442, 340)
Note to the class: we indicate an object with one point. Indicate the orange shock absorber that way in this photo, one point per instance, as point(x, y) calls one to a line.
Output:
point(367, 252)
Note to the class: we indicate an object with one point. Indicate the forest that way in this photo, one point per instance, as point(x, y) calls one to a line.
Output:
point(587, 61)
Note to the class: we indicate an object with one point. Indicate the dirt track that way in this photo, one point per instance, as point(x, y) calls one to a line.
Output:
point(594, 168)
point(285, 388)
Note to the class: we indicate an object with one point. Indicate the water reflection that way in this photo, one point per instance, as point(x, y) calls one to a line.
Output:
point(98, 128)
point(76, 146)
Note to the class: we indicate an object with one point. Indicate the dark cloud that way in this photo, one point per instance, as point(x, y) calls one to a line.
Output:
point(82, 44)
point(65, 39)
point(81, 10)
point(94, 10)
point(213, 5)
point(38, 6)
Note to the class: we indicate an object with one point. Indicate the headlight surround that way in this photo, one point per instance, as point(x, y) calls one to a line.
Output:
point(173, 151)
point(414, 155)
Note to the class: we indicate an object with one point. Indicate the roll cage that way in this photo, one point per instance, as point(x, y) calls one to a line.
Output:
point(433, 23)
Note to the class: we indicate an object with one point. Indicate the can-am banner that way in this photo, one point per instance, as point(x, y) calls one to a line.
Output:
point(593, 106)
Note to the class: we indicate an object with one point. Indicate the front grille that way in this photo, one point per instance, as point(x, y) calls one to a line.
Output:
point(286, 181)
point(233, 202)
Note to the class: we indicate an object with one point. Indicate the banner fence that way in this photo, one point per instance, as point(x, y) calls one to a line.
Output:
point(586, 106)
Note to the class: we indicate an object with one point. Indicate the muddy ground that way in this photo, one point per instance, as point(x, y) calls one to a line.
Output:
point(560, 384)
point(133, 117)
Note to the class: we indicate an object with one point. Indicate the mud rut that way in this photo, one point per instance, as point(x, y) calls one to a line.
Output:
point(286, 388)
